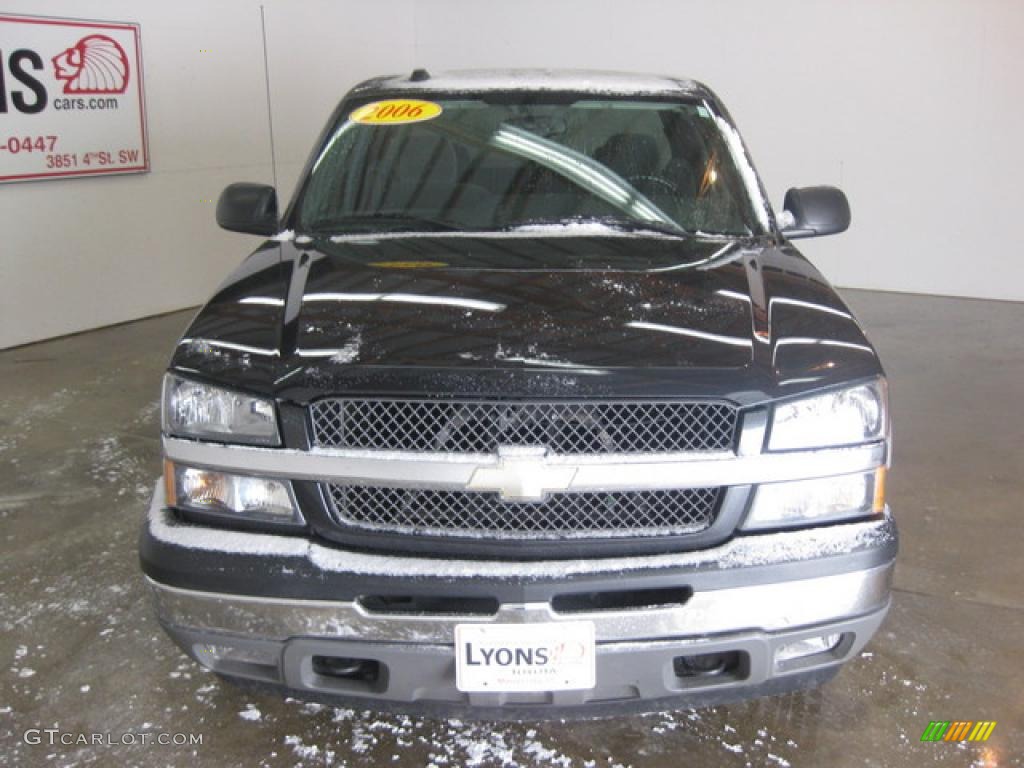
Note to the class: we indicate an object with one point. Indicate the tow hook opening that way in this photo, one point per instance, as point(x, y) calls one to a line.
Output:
point(345, 672)
point(702, 668)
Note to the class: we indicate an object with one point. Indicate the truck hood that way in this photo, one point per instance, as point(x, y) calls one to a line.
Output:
point(537, 316)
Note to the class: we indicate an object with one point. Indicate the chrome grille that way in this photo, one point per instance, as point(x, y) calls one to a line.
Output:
point(564, 428)
point(563, 515)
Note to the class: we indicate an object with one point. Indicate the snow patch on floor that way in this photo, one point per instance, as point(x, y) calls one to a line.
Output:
point(301, 749)
point(114, 464)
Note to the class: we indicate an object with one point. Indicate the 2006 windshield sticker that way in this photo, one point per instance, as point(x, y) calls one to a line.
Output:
point(395, 112)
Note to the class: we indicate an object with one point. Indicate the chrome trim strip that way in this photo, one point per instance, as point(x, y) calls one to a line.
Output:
point(752, 431)
point(768, 607)
point(610, 472)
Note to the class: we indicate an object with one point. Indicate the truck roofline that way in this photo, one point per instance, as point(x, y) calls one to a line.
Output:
point(533, 80)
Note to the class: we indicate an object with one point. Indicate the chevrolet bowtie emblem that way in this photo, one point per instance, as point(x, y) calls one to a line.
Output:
point(522, 474)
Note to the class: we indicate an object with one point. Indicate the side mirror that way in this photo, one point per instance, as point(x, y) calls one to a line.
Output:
point(248, 208)
point(814, 211)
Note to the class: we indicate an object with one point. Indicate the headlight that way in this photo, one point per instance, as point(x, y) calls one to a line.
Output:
point(192, 409)
point(826, 499)
point(846, 416)
point(256, 499)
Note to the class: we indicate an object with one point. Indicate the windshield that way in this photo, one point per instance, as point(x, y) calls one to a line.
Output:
point(524, 161)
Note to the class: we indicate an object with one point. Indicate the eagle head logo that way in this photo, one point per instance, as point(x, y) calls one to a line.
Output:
point(96, 64)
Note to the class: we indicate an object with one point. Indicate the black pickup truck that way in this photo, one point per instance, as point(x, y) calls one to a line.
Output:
point(526, 407)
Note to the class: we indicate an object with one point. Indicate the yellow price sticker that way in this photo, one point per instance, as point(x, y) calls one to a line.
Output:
point(395, 112)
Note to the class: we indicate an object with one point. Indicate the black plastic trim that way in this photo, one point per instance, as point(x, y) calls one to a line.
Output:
point(296, 577)
point(706, 697)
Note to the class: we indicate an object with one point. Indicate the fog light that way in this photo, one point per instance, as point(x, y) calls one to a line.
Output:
point(809, 646)
point(210, 654)
point(225, 495)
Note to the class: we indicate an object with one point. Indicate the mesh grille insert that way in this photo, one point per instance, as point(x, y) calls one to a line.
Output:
point(564, 515)
point(564, 428)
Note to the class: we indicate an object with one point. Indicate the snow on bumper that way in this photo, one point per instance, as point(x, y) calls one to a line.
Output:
point(741, 552)
point(273, 639)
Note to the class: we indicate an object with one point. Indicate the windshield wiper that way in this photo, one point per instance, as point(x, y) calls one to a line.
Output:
point(624, 223)
point(641, 225)
point(369, 222)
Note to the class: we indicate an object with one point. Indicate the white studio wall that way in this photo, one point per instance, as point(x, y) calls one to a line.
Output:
point(911, 106)
point(88, 252)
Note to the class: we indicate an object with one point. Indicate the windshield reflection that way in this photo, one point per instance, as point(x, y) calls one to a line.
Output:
point(493, 165)
point(583, 171)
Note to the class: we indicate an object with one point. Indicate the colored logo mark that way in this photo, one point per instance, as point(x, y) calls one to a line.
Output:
point(96, 64)
point(958, 730)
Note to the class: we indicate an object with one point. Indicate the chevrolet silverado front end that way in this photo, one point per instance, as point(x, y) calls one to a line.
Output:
point(527, 408)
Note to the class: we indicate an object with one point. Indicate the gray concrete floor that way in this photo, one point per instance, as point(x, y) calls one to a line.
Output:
point(81, 651)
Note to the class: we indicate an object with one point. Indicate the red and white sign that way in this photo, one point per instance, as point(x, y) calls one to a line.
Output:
point(71, 98)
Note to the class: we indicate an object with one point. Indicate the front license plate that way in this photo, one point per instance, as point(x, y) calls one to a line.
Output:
point(552, 656)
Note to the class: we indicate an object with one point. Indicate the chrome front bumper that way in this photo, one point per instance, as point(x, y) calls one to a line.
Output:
point(274, 641)
point(260, 607)
point(763, 607)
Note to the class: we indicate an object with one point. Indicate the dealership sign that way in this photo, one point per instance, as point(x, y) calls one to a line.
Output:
point(71, 101)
